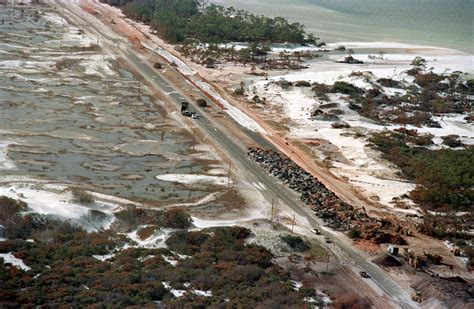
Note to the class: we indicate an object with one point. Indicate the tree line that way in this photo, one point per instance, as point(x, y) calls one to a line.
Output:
point(179, 20)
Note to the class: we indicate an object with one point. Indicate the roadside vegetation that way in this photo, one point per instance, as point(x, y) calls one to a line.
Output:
point(68, 266)
point(445, 182)
point(444, 177)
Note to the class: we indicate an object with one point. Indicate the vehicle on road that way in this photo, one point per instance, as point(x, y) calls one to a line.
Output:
point(316, 231)
point(364, 274)
point(327, 240)
point(185, 111)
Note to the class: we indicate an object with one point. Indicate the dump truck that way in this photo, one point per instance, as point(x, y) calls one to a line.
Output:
point(185, 111)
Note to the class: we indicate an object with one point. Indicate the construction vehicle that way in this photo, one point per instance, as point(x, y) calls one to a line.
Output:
point(417, 296)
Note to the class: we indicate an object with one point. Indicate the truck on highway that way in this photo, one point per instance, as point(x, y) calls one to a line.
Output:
point(185, 111)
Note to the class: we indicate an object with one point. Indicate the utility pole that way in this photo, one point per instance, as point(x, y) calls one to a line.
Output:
point(228, 174)
point(293, 225)
point(272, 214)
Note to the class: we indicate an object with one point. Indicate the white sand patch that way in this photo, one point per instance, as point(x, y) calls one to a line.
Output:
point(140, 147)
point(104, 258)
point(24, 65)
point(376, 178)
point(296, 285)
point(157, 240)
point(203, 293)
point(46, 203)
point(259, 185)
point(195, 178)
point(5, 162)
point(176, 293)
point(254, 214)
point(98, 65)
point(215, 171)
point(169, 260)
point(9, 258)
point(65, 134)
point(239, 116)
point(55, 19)
point(207, 199)
point(61, 205)
point(182, 67)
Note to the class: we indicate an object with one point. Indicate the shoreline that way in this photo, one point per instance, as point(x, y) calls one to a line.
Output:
point(334, 25)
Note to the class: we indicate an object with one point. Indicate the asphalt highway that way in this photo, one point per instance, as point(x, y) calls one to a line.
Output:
point(231, 146)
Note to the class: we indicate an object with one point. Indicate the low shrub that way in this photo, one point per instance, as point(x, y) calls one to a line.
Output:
point(201, 102)
point(295, 242)
point(176, 218)
point(82, 197)
point(354, 233)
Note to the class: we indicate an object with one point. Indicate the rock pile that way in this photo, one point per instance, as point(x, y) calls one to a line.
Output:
point(336, 213)
point(329, 207)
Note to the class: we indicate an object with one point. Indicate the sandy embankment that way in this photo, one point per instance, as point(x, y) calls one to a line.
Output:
point(362, 166)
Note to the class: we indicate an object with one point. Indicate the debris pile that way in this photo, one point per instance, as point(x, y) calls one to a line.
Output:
point(455, 292)
point(336, 213)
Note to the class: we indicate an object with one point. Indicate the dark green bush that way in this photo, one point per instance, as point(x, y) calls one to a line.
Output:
point(295, 242)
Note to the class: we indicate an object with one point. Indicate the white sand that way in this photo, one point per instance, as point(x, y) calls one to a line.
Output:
point(373, 176)
point(5, 162)
point(60, 205)
point(189, 179)
point(9, 258)
point(104, 258)
point(157, 240)
point(176, 293)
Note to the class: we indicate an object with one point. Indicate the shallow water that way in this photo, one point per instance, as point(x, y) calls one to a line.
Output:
point(444, 23)
point(72, 115)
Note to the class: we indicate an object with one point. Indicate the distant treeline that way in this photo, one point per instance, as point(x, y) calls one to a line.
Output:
point(178, 20)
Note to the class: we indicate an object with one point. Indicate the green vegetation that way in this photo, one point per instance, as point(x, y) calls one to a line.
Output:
point(445, 177)
point(176, 219)
point(82, 197)
point(295, 242)
point(201, 102)
point(354, 233)
point(64, 271)
point(346, 88)
point(180, 20)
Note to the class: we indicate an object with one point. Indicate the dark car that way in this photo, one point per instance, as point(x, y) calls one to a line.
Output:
point(363, 274)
